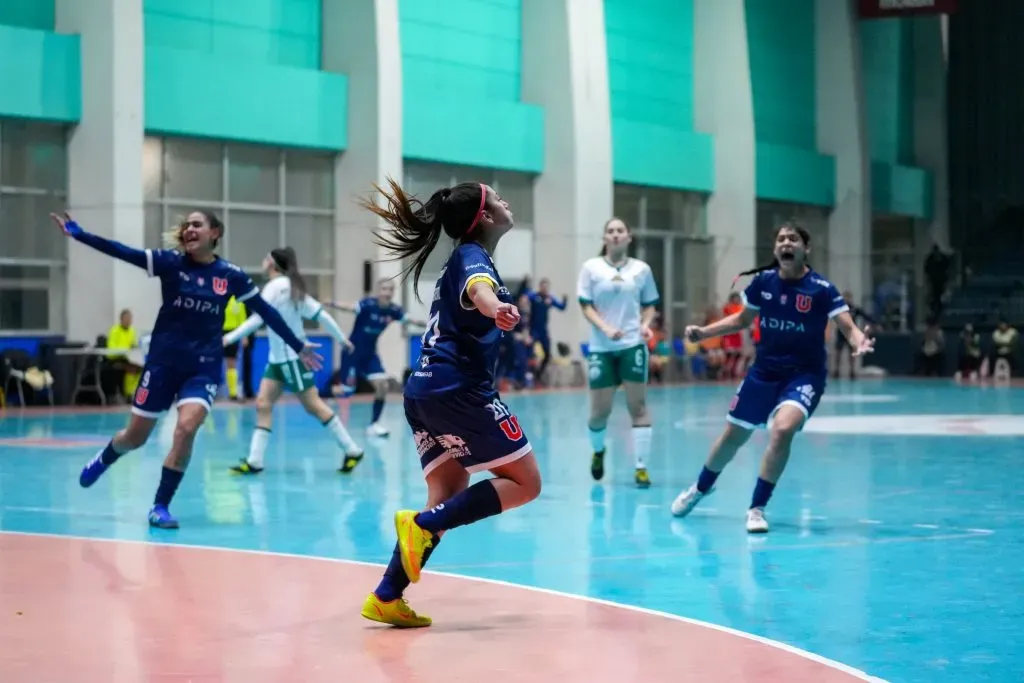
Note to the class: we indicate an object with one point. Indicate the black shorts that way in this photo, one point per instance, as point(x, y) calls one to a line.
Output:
point(231, 350)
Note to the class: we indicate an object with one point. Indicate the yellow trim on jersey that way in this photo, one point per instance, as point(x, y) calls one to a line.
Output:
point(480, 278)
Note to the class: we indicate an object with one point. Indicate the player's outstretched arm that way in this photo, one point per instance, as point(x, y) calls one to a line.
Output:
point(859, 341)
point(730, 324)
point(331, 325)
point(341, 306)
point(136, 257)
point(250, 326)
point(481, 293)
point(260, 307)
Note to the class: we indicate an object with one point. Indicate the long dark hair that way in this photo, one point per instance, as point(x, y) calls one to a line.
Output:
point(604, 247)
point(416, 226)
point(287, 263)
point(788, 225)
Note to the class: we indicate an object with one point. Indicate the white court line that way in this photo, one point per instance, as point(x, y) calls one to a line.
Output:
point(869, 521)
point(789, 649)
point(926, 526)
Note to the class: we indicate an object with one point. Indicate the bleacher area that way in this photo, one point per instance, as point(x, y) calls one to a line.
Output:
point(993, 288)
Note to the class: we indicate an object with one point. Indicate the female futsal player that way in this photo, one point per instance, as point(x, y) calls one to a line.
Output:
point(459, 423)
point(373, 315)
point(185, 360)
point(286, 292)
point(788, 376)
point(618, 294)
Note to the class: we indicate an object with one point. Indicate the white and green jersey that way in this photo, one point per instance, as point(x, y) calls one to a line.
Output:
point(278, 293)
point(617, 293)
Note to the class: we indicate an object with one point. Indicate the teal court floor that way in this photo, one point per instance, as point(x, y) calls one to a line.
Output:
point(895, 552)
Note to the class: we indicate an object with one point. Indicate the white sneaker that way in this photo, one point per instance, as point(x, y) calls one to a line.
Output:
point(756, 522)
point(687, 500)
point(377, 429)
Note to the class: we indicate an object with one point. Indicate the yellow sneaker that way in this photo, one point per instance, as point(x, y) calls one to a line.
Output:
point(412, 541)
point(642, 479)
point(396, 613)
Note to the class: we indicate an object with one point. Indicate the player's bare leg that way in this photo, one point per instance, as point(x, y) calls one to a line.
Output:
point(722, 452)
point(191, 416)
point(601, 401)
point(636, 403)
point(128, 439)
point(787, 422)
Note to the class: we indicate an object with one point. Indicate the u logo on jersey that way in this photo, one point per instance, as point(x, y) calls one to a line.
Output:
point(803, 303)
point(220, 285)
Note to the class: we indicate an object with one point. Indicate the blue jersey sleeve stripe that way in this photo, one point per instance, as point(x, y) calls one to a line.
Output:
point(246, 297)
point(836, 311)
point(747, 304)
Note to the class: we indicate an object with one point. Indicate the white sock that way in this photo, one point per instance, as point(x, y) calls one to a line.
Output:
point(258, 446)
point(597, 439)
point(641, 444)
point(341, 435)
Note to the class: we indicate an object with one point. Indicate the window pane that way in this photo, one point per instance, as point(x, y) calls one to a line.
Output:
point(253, 174)
point(312, 238)
point(33, 155)
point(155, 226)
point(423, 180)
point(626, 205)
point(517, 190)
point(24, 309)
point(250, 237)
point(659, 209)
point(309, 180)
point(152, 167)
point(193, 170)
point(26, 230)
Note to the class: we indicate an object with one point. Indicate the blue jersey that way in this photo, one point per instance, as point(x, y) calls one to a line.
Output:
point(539, 307)
point(189, 326)
point(371, 321)
point(460, 346)
point(793, 318)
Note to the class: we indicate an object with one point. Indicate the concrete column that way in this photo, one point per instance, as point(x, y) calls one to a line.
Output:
point(725, 109)
point(565, 70)
point(842, 132)
point(360, 39)
point(105, 165)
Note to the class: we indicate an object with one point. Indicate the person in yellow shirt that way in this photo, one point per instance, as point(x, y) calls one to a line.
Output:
point(122, 337)
point(234, 316)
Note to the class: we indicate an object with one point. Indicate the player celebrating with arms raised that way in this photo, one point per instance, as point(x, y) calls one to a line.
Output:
point(788, 376)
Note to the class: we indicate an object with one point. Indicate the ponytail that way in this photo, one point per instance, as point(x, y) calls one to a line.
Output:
point(416, 226)
point(288, 263)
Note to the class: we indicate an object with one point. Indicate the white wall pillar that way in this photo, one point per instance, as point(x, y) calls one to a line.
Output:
point(930, 123)
point(842, 132)
point(725, 109)
point(360, 39)
point(105, 165)
point(565, 70)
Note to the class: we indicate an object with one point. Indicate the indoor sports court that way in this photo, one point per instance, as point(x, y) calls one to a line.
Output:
point(895, 553)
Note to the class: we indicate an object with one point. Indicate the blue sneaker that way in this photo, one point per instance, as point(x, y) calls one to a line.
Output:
point(92, 472)
point(161, 518)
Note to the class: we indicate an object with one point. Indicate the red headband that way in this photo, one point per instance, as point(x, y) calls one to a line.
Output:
point(480, 211)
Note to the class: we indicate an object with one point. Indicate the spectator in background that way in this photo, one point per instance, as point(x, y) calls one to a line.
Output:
point(969, 355)
point(1004, 346)
point(732, 344)
point(245, 365)
point(540, 303)
point(659, 350)
point(234, 316)
point(936, 271)
point(931, 355)
point(120, 376)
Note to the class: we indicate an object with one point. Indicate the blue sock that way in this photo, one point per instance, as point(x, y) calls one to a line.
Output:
point(378, 408)
point(479, 501)
point(394, 582)
point(169, 480)
point(109, 456)
point(706, 479)
point(762, 493)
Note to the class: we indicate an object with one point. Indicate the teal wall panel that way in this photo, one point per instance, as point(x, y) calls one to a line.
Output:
point(650, 79)
point(901, 190)
point(275, 32)
point(37, 14)
point(781, 45)
point(888, 72)
point(796, 175)
point(461, 76)
point(40, 75)
point(188, 93)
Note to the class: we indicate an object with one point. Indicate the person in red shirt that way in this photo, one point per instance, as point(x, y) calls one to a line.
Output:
point(732, 344)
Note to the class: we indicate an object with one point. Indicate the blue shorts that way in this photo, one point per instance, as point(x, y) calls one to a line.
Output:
point(475, 427)
point(356, 366)
point(162, 386)
point(760, 395)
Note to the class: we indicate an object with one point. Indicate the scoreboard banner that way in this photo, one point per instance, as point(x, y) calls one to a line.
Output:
point(894, 9)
